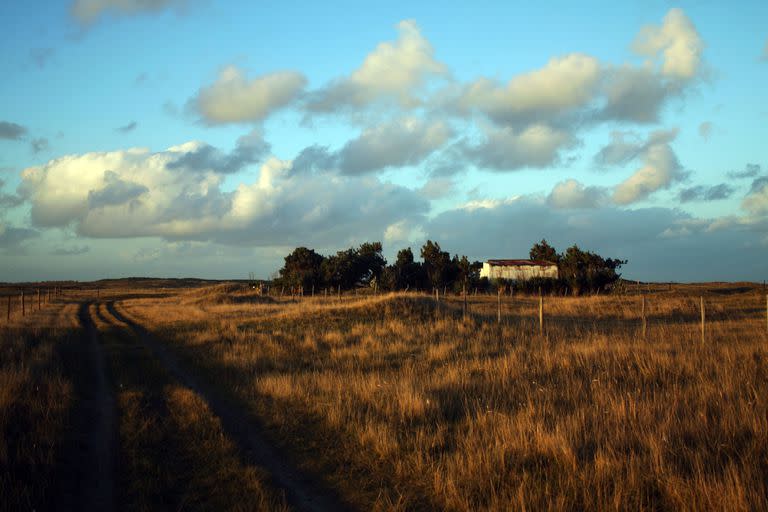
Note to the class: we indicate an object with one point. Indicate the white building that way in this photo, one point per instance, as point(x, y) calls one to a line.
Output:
point(518, 270)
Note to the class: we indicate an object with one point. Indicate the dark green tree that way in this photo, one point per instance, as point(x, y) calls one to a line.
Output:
point(341, 269)
point(370, 262)
point(587, 272)
point(437, 264)
point(542, 251)
point(406, 272)
point(302, 268)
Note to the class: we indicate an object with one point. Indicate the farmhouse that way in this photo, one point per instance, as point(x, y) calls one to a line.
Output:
point(518, 270)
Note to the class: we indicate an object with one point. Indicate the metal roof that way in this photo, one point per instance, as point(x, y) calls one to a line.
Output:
point(519, 263)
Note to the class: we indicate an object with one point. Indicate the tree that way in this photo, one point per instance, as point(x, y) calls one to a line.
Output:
point(584, 271)
point(341, 269)
point(371, 263)
point(302, 268)
point(437, 264)
point(406, 272)
point(542, 251)
point(352, 266)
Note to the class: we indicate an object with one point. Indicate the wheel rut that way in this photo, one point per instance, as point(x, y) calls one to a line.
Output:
point(96, 432)
point(302, 491)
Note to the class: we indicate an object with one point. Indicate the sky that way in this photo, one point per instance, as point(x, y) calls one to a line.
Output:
point(204, 138)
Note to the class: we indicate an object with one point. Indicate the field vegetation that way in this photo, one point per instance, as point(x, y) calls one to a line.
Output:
point(404, 403)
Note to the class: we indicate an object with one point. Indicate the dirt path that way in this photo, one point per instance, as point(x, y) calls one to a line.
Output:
point(95, 427)
point(302, 491)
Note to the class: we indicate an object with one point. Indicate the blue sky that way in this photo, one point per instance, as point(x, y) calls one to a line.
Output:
point(208, 138)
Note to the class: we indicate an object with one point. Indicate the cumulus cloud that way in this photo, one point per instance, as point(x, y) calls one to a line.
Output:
point(233, 98)
point(625, 146)
point(507, 149)
point(574, 89)
point(11, 237)
point(127, 128)
point(116, 191)
point(141, 196)
point(88, 11)
point(573, 194)
point(659, 171)
point(406, 141)
point(564, 83)
point(39, 144)
point(392, 71)
point(676, 44)
point(700, 192)
point(750, 171)
point(438, 187)
point(756, 201)
point(634, 94)
point(403, 142)
point(8, 200)
point(41, 56)
point(11, 131)
point(249, 149)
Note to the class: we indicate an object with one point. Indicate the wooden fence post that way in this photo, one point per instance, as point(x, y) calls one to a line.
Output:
point(8, 315)
point(339, 291)
point(541, 314)
point(38, 299)
point(464, 293)
point(703, 315)
point(644, 319)
point(498, 312)
point(23, 306)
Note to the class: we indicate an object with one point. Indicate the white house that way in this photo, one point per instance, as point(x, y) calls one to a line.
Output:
point(518, 270)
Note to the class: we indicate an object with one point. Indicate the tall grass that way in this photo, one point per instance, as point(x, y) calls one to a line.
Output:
point(405, 405)
point(36, 402)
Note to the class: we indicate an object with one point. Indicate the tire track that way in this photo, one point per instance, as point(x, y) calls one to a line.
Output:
point(95, 478)
point(301, 490)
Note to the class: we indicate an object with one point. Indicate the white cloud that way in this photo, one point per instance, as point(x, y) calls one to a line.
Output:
point(394, 70)
point(634, 94)
point(507, 149)
point(756, 201)
point(235, 99)
point(625, 146)
point(136, 193)
point(438, 187)
point(403, 142)
point(573, 194)
point(88, 11)
point(676, 42)
point(659, 171)
point(564, 83)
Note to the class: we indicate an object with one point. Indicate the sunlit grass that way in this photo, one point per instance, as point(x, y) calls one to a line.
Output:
point(405, 404)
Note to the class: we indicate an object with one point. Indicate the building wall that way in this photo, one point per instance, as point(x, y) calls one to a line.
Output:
point(517, 272)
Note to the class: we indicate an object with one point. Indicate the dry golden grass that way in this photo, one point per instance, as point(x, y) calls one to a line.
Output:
point(174, 453)
point(36, 400)
point(403, 405)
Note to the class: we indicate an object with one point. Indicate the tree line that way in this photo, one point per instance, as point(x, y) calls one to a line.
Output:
point(579, 271)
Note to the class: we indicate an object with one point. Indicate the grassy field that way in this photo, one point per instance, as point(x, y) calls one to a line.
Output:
point(396, 402)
